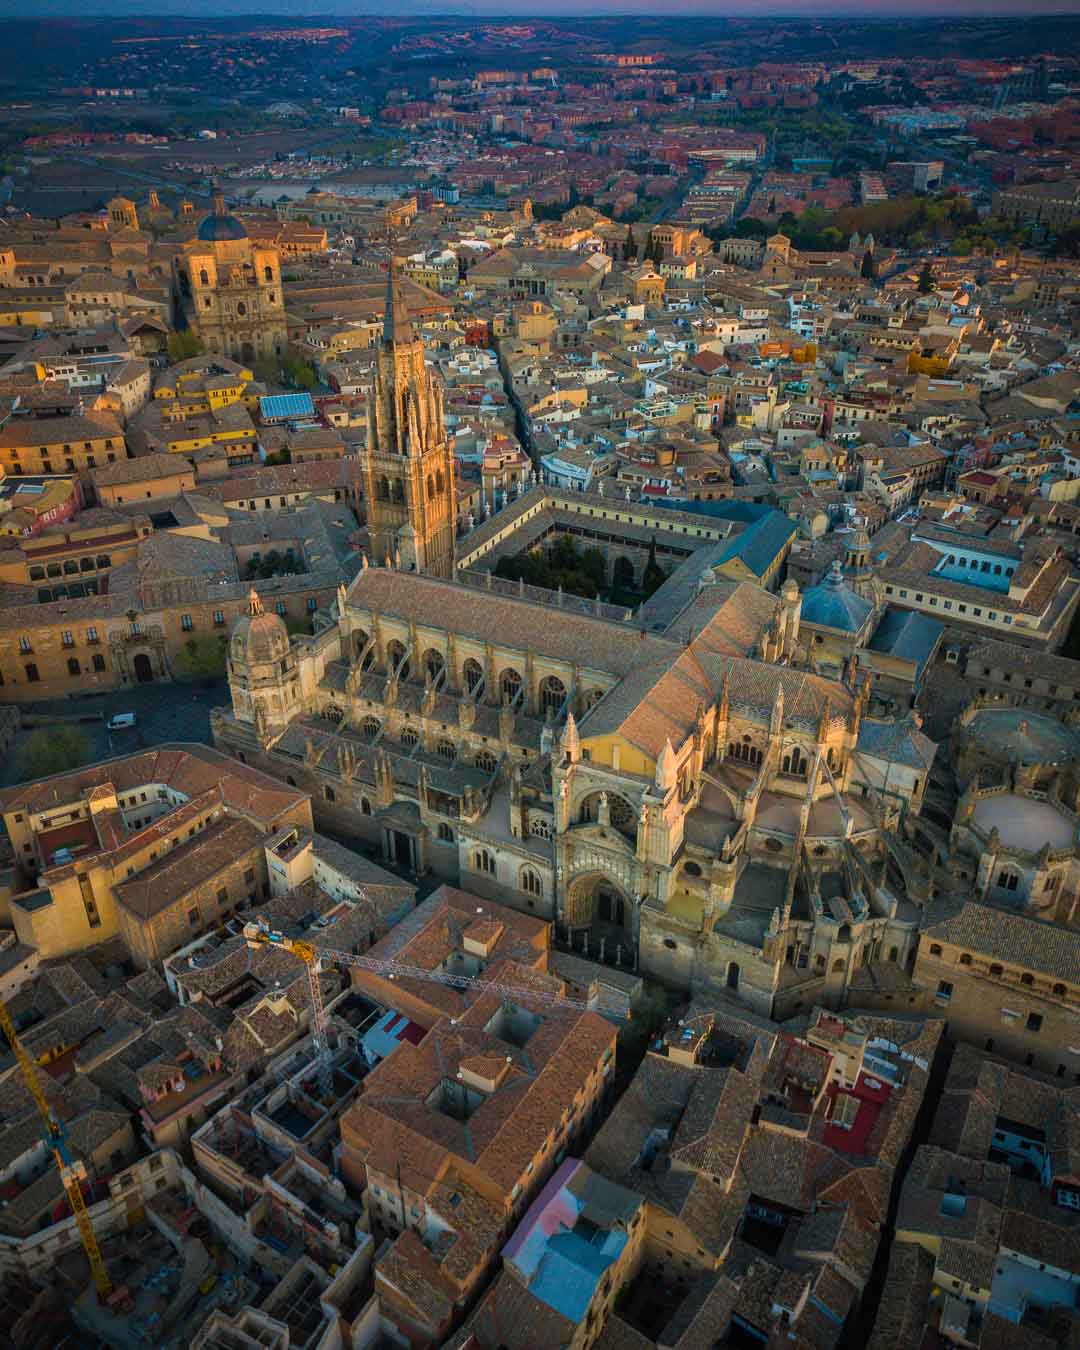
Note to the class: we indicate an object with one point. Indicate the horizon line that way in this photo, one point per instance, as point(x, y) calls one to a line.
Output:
point(1010, 10)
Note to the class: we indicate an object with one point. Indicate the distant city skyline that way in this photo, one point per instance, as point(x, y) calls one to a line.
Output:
point(517, 9)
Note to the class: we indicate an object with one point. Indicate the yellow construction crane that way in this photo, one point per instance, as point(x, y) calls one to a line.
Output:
point(259, 934)
point(72, 1170)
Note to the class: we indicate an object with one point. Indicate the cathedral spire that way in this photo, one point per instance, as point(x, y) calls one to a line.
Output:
point(397, 326)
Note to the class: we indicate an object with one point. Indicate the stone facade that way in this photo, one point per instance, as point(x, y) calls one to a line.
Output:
point(119, 847)
point(230, 289)
point(1019, 997)
point(172, 909)
point(409, 468)
point(718, 821)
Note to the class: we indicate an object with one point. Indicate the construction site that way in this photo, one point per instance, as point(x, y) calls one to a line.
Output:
point(164, 1281)
point(249, 1232)
point(257, 1243)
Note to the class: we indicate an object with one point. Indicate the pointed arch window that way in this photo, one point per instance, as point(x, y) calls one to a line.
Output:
point(474, 674)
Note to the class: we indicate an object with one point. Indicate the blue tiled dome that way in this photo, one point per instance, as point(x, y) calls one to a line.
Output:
point(216, 227)
point(833, 604)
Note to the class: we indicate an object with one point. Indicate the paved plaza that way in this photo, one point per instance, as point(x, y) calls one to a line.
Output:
point(163, 712)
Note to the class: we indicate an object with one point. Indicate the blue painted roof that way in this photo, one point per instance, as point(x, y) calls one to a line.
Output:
point(286, 405)
point(833, 604)
point(569, 1271)
point(385, 1035)
point(759, 544)
point(572, 1234)
point(728, 509)
point(907, 636)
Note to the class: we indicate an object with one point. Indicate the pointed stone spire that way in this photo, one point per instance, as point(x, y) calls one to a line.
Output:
point(571, 742)
point(397, 326)
point(665, 767)
point(776, 724)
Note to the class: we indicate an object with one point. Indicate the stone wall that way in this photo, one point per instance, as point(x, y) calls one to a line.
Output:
point(151, 940)
point(1028, 1024)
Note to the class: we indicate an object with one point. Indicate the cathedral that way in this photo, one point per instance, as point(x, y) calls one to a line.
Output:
point(699, 799)
point(229, 289)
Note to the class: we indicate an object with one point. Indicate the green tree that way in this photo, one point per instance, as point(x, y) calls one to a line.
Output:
point(868, 270)
point(298, 372)
point(184, 344)
point(53, 749)
point(751, 228)
point(654, 575)
point(594, 566)
point(270, 565)
point(926, 278)
point(630, 247)
point(266, 370)
point(561, 565)
point(201, 658)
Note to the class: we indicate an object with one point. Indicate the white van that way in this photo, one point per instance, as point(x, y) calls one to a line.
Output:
point(119, 721)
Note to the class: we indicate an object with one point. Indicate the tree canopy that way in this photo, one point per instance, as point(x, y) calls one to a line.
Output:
point(298, 372)
point(184, 344)
point(201, 658)
point(53, 749)
point(654, 575)
point(273, 564)
point(563, 564)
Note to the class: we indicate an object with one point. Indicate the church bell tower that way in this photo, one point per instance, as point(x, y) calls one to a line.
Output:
point(409, 472)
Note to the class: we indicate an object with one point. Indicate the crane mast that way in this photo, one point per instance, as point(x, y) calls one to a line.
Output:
point(72, 1170)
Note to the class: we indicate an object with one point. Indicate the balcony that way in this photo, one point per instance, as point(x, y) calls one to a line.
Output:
point(126, 637)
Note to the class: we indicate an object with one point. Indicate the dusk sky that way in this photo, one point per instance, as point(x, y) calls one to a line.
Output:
point(740, 8)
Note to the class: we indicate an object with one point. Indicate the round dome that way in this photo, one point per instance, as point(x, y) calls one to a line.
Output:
point(217, 227)
point(1023, 737)
point(833, 604)
point(259, 638)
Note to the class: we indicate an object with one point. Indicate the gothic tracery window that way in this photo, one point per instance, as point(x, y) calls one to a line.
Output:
point(552, 694)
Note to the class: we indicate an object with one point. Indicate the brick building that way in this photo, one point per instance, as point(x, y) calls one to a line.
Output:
point(454, 1136)
point(118, 848)
point(1007, 982)
point(33, 445)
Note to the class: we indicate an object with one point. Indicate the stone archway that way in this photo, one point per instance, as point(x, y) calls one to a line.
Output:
point(622, 574)
point(621, 813)
point(143, 668)
point(358, 643)
point(599, 919)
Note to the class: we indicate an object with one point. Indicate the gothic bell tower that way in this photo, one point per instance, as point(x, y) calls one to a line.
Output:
point(409, 471)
